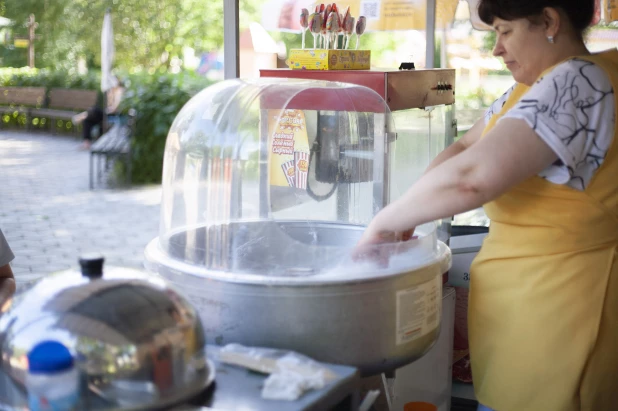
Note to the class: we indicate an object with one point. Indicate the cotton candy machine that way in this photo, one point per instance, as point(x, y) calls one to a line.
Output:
point(267, 187)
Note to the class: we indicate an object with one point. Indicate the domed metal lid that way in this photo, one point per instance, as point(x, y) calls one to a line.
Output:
point(125, 328)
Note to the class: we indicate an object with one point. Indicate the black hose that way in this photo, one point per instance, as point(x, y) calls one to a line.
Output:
point(310, 192)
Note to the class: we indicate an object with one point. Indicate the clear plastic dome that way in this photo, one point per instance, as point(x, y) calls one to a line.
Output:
point(279, 177)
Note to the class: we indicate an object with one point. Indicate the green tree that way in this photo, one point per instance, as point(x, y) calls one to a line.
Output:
point(149, 34)
point(489, 41)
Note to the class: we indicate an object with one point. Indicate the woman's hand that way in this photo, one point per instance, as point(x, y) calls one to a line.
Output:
point(375, 236)
point(369, 246)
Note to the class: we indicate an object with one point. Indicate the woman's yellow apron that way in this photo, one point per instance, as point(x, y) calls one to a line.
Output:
point(543, 310)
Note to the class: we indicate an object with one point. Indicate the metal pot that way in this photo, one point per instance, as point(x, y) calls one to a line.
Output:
point(273, 284)
point(136, 342)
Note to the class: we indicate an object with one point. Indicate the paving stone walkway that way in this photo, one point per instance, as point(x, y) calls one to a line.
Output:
point(50, 216)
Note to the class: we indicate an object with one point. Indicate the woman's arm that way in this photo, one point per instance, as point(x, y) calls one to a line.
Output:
point(509, 154)
point(472, 136)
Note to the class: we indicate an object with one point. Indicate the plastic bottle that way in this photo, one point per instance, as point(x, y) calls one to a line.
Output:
point(52, 381)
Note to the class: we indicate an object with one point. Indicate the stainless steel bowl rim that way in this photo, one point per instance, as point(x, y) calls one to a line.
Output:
point(155, 254)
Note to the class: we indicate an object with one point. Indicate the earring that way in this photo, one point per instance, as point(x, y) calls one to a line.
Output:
point(550, 39)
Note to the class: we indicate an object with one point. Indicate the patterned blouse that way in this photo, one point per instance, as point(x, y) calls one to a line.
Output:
point(572, 109)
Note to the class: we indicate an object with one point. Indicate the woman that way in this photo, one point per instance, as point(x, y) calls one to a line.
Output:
point(543, 309)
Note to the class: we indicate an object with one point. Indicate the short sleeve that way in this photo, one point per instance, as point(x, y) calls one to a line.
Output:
point(497, 105)
point(6, 255)
point(572, 109)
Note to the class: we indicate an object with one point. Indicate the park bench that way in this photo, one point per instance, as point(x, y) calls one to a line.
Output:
point(21, 100)
point(112, 145)
point(65, 103)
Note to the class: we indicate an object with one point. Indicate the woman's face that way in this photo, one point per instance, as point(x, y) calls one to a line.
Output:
point(523, 47)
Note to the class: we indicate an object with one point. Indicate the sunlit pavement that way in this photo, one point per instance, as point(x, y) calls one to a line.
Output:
point(50, 216)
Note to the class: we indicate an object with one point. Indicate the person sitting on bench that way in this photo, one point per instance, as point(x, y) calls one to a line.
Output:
point(95, 115)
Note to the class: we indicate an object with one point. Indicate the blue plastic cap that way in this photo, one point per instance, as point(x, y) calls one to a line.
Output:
point(49, 357)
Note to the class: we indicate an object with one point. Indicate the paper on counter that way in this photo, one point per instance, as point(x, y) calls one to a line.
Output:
point(290, 374)
point(290, 386)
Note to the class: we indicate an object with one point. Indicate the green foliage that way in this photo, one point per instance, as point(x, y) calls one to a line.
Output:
point(292, 40)
point(157, 99)
point(437, 57)
point(13, 57)
point(27, 77)
point(382, 43)
point(477, 99)
point(489, 41)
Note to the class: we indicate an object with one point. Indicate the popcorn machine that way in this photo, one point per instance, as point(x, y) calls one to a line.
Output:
point(422, 122)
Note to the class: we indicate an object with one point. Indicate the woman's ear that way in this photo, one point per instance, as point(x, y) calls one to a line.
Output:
point(551, 19)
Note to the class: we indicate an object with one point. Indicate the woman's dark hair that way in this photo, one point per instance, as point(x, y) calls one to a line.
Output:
point(579, 12)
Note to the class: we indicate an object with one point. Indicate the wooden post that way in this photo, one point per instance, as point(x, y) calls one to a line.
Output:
point(32, 25)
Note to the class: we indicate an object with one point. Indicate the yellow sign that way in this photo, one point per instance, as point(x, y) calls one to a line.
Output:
point(401, 14)
point(329, 59)
point(288, 148)
point(21, 43)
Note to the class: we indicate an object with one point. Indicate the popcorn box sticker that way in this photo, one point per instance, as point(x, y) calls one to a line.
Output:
point(287, 132)
point(289, 169)
point(301, 160)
